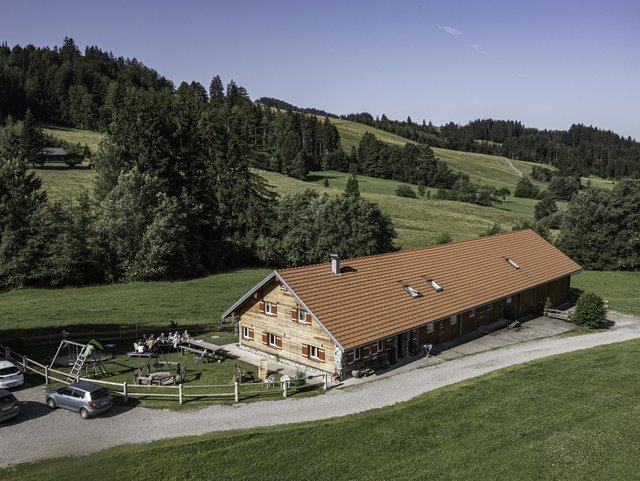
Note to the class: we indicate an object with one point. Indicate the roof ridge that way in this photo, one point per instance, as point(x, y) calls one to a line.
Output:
point(415, 249)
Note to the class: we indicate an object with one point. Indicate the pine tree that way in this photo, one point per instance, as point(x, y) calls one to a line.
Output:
point(352, 189)
point(32, 141)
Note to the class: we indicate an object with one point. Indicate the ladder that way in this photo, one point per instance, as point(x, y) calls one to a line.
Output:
point(77, 366)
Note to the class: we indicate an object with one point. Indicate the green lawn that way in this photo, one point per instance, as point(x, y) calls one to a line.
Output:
point(197, 301)
point(568, 417)
point(121, 368)
point(621, 289)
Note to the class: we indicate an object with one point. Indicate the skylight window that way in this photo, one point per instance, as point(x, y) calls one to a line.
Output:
point(436, 287)
point(412, 291)
point(512, 263)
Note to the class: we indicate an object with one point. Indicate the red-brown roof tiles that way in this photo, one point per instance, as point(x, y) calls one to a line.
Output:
point(367, 301)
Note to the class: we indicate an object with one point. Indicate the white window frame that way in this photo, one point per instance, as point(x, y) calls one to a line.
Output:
point(489, 307)
point(357, 353)
point(453, 320)
point(245, 332)
point(509, 300)
point(316, 356)
point(303, 313)
point(434, 285)
point(430, 328)
point(268, 308)
point(472, 313)
point(380, 346)
point(275, 340)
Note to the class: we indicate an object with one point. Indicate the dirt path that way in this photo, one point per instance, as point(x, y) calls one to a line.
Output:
point(39, 433)
point(519, 173)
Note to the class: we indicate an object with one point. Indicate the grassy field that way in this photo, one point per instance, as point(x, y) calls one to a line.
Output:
point(566, 417)
point(61, 181)
point(619, 288)
point(197, 301)
point(74, 136)
point(418, 221)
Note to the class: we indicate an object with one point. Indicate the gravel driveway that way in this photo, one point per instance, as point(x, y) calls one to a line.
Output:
point(40, 433)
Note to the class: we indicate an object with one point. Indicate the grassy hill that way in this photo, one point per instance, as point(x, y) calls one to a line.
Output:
point(418, 221)
point(74, 136)
point(566, 417)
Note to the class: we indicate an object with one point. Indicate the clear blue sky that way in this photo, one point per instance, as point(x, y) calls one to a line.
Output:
point(546, 63)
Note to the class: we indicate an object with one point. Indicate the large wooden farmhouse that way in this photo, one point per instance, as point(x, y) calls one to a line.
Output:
point(339, 316)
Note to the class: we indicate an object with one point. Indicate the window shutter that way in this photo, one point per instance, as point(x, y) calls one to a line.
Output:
point(264, 337)
point(251, 334)
point(294, 315)
point(321, 354)
point(261, 306)
point(278, 342)
point(308, 319)
point(305, 350)
point(274, 309)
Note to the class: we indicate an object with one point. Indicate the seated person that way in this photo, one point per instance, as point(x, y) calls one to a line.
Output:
point(185, 336)
point(141, 347)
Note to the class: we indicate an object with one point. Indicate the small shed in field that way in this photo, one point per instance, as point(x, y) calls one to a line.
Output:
point(53, 154)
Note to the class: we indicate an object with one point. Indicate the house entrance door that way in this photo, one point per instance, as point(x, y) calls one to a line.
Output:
point(441, 331)
point(402, 344)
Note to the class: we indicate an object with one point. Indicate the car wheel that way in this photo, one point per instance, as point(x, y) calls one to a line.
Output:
point(51, 403)
point(84, 414)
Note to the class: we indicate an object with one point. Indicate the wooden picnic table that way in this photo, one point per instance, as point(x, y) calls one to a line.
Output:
point(204, 350)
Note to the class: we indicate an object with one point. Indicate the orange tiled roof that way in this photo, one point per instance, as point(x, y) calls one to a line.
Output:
point(367, 301)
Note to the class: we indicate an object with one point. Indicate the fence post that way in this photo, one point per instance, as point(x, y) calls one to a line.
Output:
point(284, 389)
point(325, 384)
point(25, 363)
point(125, 391)
point(46, 374)
point(180, 392)
point(235, 390)
point(7, 352)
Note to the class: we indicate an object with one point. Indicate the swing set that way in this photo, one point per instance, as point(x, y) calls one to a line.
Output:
point(88, 356)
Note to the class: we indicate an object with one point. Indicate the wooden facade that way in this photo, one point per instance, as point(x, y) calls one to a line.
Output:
point(272, 321)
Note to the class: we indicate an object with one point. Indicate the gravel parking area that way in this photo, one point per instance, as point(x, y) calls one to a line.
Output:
point(40, 433)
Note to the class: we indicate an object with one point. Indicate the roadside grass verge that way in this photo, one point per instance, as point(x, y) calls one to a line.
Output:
point(565, 417)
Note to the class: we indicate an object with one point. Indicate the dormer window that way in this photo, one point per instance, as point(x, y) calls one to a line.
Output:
point(412, 291)
point(512, 263)
point(436, 287)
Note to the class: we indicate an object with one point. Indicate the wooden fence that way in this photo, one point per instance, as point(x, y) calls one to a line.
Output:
point(179, 392)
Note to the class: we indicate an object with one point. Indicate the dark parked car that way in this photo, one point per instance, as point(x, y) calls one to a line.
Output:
point(85, 398)
point(9, 405)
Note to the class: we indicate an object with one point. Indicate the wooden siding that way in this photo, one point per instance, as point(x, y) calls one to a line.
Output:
point(294, 334)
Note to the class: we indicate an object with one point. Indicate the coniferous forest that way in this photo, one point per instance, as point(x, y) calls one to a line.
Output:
point(176, 194)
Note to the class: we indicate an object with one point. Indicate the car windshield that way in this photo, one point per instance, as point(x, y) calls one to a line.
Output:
point(7, 399)
point(102, 393)
point(6, 371)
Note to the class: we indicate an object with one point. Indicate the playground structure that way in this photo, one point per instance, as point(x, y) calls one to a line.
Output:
point(89, 356)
